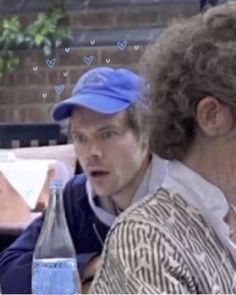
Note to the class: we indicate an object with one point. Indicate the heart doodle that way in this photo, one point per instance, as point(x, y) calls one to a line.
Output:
point(108, 60)
point(35, 68)
point(67, 49)
point(88, 59)
point(122, 44)
point(65, 73)
point(92, 42)
point(59, 89)
point(44, 95)
point(136, 47)
point(51, 62)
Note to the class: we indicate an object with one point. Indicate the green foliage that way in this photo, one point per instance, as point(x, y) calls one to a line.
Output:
point(11, 37)
point(45, 32)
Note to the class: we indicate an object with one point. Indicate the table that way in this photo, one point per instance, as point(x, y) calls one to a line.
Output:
point(24, 191)
point(16, 228)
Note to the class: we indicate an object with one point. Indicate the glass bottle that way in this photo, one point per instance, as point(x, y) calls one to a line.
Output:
point(54, 268)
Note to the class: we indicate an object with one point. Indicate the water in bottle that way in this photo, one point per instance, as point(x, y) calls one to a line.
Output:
point(54, 268)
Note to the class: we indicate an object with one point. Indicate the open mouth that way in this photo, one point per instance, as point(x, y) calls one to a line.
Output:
point(98, 173)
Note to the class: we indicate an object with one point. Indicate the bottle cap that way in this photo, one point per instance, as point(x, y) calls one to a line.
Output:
point(56, 183)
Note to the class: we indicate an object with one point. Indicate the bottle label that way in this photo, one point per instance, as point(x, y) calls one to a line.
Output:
point(55, 276)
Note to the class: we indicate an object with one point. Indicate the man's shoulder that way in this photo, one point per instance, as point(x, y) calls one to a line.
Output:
point(75, 189)
point(149, 206)
point(158, 207)
point(76, 183)
point(79, 179)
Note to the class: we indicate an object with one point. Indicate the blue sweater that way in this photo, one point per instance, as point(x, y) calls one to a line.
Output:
point(87, 233)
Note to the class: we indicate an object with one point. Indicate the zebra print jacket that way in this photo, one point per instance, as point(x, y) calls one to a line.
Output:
point(164, 245)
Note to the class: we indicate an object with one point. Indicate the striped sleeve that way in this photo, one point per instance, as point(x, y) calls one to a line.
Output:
point(139, 259)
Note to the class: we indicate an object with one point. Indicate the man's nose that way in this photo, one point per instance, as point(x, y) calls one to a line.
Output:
point(95, 150)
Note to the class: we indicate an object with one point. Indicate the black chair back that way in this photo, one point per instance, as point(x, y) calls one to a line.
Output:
point(14, 135)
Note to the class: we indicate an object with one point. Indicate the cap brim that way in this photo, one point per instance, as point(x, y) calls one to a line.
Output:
point(95, 102)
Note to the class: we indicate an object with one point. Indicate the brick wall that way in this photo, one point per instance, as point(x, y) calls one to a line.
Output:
point(28, 94)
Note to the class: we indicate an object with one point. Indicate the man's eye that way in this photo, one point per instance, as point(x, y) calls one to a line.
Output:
point(107, 134)
point(79, 138)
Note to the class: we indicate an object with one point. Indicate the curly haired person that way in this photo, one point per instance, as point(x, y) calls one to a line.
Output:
point(182, 237)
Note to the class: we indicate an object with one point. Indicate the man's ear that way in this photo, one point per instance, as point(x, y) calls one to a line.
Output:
point(145, 142)
point(213, 117)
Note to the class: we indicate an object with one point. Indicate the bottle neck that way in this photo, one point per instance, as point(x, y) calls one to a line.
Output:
point(55, 211)
point(54, 239)
point(57, 200)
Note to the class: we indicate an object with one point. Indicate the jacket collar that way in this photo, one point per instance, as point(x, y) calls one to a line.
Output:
point(201, 194)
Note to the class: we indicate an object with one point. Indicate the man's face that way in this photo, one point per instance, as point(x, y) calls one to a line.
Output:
point(108, 150)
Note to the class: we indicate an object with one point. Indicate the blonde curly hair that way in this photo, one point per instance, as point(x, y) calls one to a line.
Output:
point(193, 59)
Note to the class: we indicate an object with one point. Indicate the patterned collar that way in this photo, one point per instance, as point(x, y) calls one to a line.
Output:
point(200, 193)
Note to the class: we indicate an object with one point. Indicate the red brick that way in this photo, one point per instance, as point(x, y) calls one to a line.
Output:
point(35, 113)
point(29, 95)
point(166, 13)
point(21, 77)
point(8, 79)
point(22, 115)
point(12, 114)
point(176, 10)
point(121, 57)
point(8, 96)
point(65, 94)
point(96, 18)
point(48, 94)
point(76, 73)
point(66, 21)
point(38, 58)
point(33, 57)
point(25, 58)
point(76, 56)
point(137, 54)
point(38, 77)
point(131, 16)
point(3, 115)
point(58, 76)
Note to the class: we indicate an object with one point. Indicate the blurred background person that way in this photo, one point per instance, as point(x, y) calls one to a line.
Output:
point(182, 237)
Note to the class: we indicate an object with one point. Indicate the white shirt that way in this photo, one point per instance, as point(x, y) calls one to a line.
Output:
point(201, 194)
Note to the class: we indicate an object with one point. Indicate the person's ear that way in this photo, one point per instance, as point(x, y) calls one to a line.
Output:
point(145, 142)
point(213, 117)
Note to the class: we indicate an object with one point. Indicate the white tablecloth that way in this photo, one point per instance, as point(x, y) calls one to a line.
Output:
point(27, 177)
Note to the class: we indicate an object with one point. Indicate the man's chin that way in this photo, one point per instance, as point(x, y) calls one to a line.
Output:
point(101, 194)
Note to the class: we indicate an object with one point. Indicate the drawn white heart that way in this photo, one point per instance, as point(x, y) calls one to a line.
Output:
point(108, 60)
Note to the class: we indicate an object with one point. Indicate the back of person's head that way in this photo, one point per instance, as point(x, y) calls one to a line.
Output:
point(193, 59)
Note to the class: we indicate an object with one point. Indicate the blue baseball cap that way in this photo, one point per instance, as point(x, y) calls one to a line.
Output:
point(104, 90)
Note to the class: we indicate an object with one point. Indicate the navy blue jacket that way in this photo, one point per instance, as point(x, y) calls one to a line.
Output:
point(87, 233)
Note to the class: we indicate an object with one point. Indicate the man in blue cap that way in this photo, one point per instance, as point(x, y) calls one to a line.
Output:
point(119, 169)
